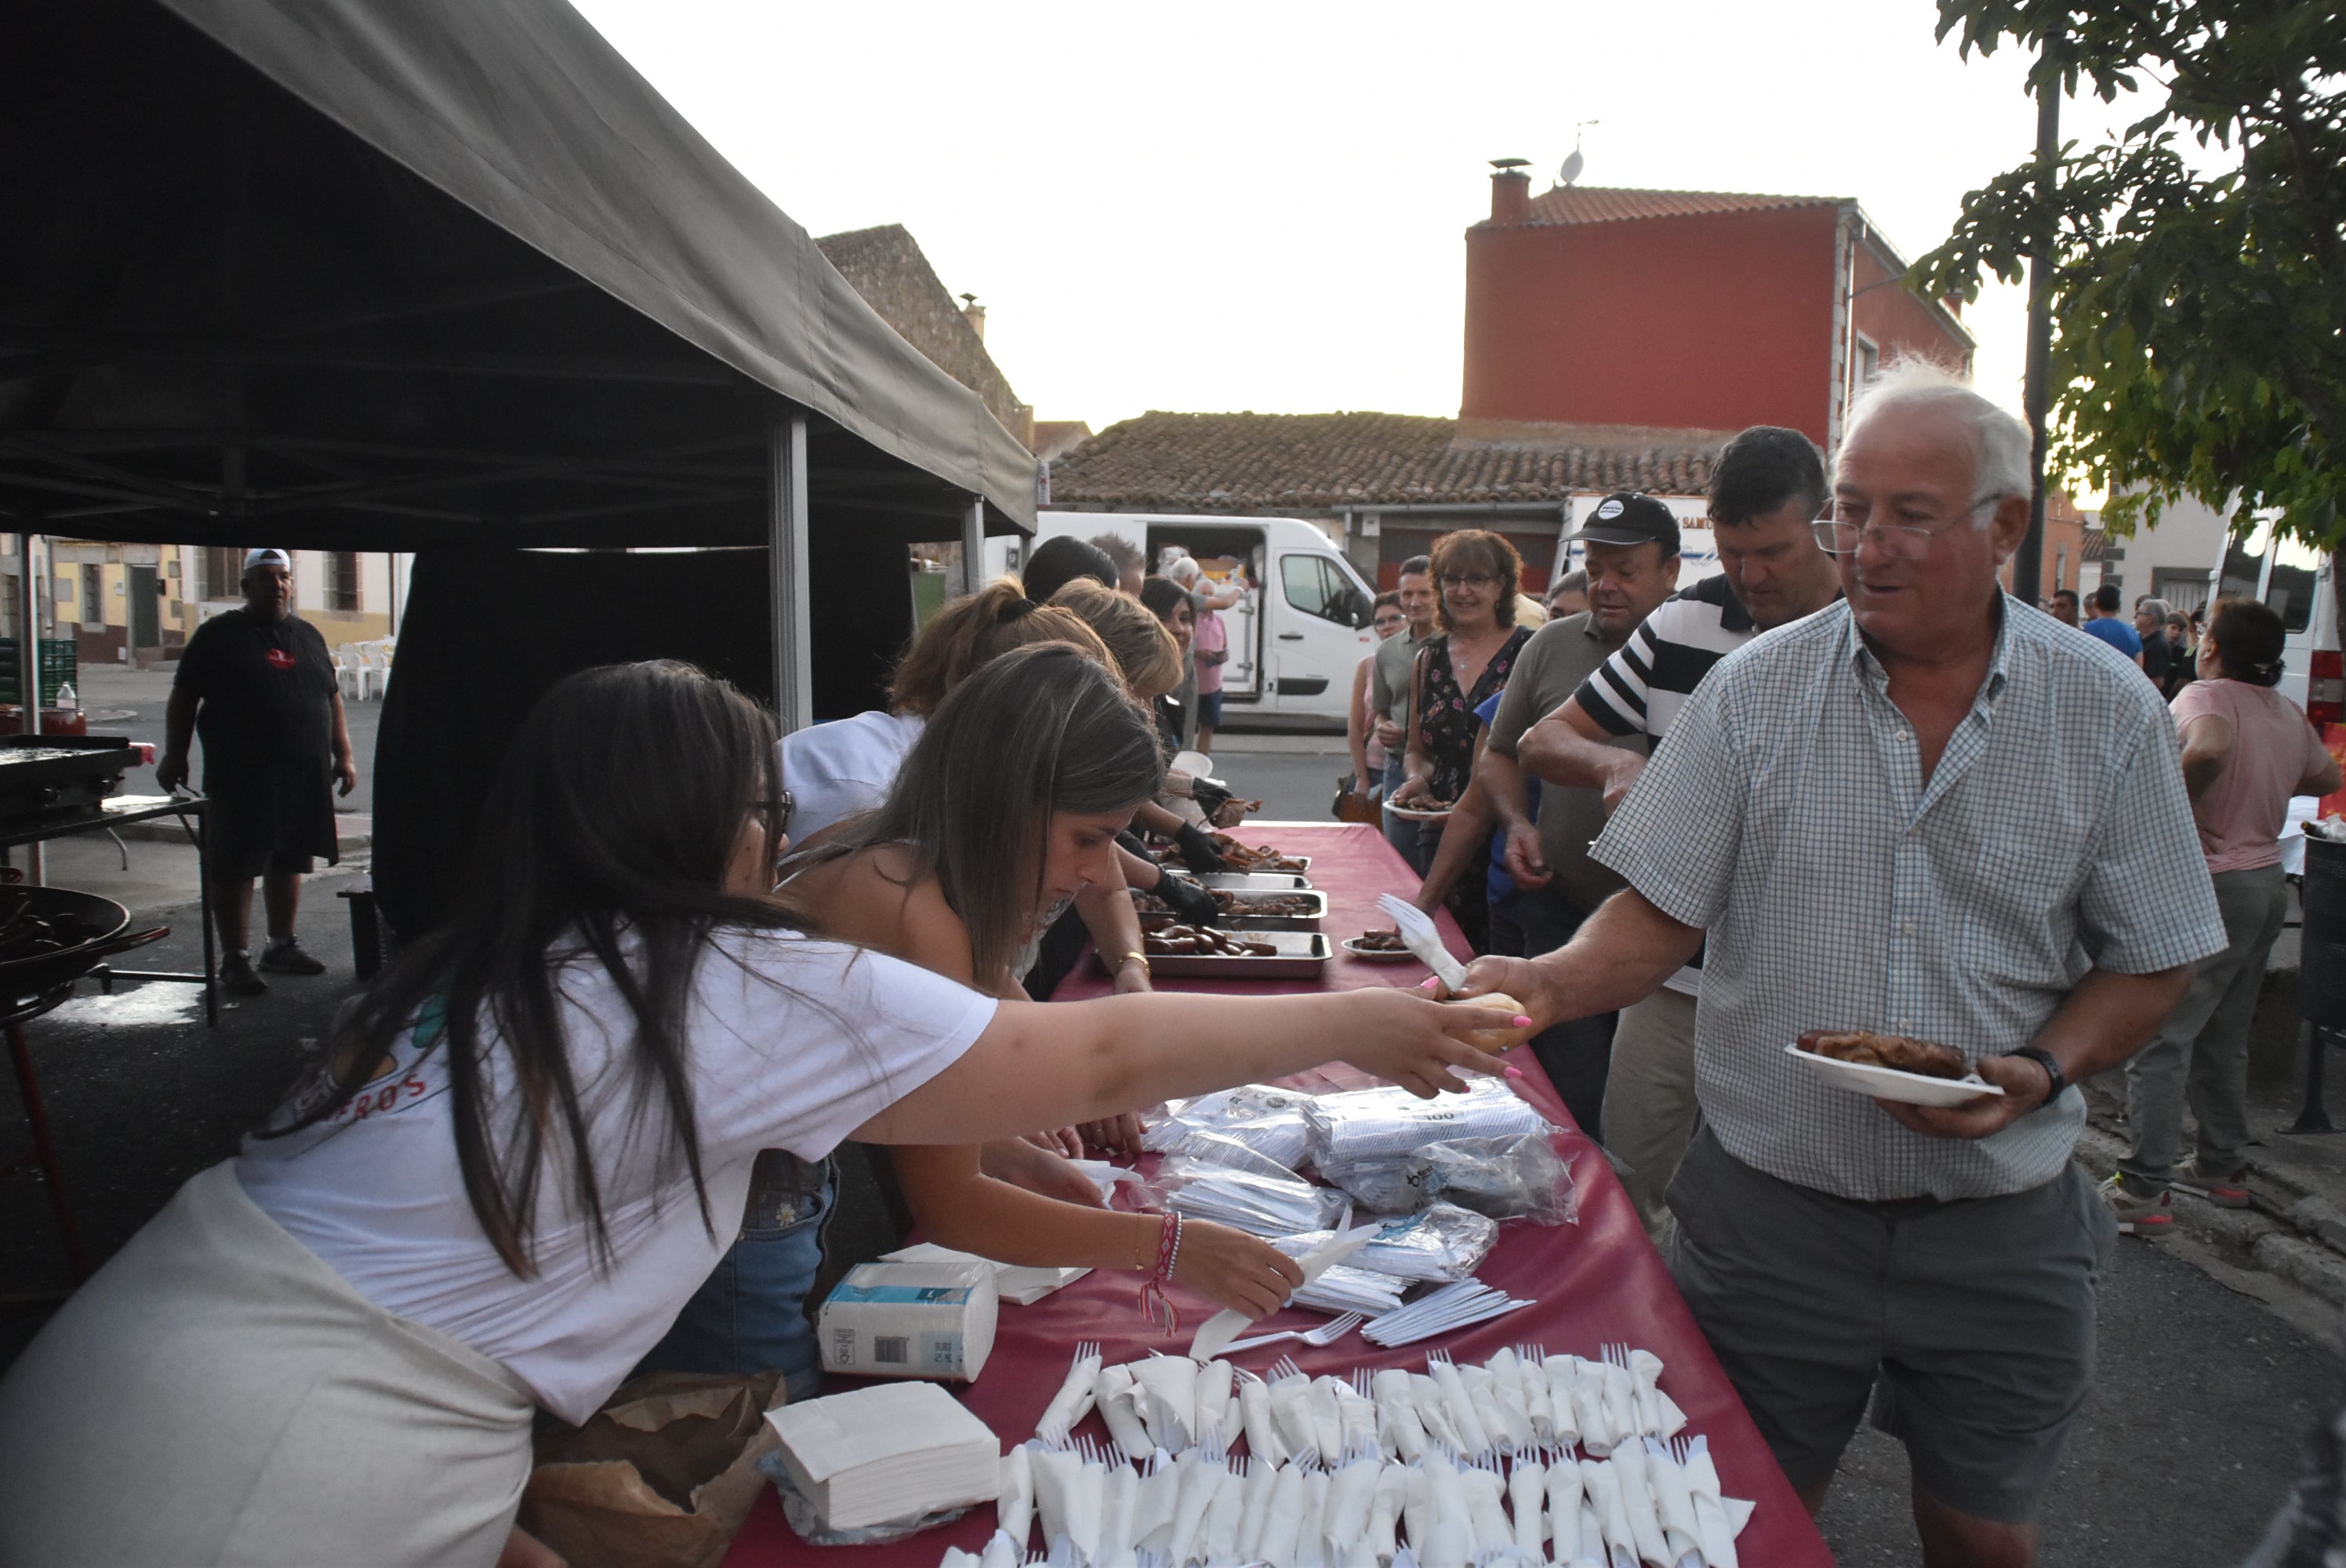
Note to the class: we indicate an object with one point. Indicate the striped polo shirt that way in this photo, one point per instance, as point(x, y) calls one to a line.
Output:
point(1639, 689)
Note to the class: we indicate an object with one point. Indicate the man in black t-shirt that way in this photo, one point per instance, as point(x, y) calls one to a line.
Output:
point(258, 686)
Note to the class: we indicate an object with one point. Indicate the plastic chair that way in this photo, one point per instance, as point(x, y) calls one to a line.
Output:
point(375, 662)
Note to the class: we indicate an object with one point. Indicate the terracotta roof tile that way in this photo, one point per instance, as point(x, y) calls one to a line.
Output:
point(1599, 204)
point(1264, 461)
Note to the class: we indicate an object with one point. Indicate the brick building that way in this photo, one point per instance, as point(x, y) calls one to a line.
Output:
point(886, 267)
point(1612, 337)
point(1684, 309)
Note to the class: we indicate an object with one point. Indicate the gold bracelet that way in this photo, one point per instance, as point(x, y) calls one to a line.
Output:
point(1136, 956)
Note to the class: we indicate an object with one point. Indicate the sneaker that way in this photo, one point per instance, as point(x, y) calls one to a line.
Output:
point(2225, 1191)
point(286, 957)
point(2137, 1215)
point(236, 976)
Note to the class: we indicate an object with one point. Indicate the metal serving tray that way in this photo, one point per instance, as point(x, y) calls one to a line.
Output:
point(1301, 955)
point(1252, 918)
point(1256, 881)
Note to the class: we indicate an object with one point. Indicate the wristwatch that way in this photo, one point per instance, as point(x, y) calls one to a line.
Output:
point(2044, 1059)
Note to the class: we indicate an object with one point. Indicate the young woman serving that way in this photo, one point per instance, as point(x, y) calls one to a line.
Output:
point(531, 1142)
point(1006, 811)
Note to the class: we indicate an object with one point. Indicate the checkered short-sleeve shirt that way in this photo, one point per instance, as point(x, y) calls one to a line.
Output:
point(1788, 817)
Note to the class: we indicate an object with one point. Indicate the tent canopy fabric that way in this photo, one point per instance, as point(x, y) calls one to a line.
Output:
point(399, 274)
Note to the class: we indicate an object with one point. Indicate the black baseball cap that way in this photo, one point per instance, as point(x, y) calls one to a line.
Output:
point(1630, 517)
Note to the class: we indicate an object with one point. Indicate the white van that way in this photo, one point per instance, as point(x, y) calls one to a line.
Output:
point(1299, 633)
point(2300, 584)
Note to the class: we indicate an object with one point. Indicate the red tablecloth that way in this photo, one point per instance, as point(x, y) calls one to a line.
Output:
point(1597, 1281)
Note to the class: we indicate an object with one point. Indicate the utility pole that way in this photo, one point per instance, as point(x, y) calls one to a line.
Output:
point(2028, 567)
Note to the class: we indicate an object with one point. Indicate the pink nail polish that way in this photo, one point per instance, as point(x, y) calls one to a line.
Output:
point(1521, 1022)
point(1514, 1071)
point(1429, 982)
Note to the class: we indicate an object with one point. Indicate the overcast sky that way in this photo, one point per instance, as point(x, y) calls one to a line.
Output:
point(1259, 206)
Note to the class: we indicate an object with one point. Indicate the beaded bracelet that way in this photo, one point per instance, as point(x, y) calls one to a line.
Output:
point(1153, 1298)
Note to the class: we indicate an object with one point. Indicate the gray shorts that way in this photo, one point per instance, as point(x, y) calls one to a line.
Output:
point(1970, 1324)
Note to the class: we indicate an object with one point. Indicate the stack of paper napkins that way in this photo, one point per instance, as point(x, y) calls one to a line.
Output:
point(926, 1320)
point(893, 1450)
point(1021, 1286)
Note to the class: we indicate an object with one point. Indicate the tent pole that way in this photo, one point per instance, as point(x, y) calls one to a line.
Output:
point(973, 546)
point(786, 566)
point(28, 673)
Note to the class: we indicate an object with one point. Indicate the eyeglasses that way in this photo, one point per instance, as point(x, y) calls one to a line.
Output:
point(1474, 580)
point(1841, 534)
point(775, 815)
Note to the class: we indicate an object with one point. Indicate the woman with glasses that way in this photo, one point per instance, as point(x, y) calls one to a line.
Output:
point(532, 1137)
point(1475, 573)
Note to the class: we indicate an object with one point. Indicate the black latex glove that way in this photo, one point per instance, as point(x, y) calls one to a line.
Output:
point(1198, 851)
point(1209, 796)
point(1192, 904)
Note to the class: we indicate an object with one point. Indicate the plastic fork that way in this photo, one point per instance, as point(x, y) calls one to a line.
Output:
point(1322, 1337)
point(1418, 934)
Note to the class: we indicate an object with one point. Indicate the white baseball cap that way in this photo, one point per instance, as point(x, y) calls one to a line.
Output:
point(267, 558)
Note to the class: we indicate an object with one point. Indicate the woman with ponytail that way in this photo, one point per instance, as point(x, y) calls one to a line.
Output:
point(2246, 750)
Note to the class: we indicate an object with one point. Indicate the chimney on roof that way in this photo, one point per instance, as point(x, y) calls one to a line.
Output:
point(1510, 191)
point(974, 314)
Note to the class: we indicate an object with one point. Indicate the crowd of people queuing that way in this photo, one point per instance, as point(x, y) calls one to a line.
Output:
point(1849, 782)
point(585, 1128)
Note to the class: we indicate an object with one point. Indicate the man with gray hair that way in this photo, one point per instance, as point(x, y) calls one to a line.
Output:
point(1928, 811)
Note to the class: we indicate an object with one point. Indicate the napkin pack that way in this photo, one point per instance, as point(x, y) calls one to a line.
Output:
point(889, 1451)
point(927, 1318)
point(1019, 1285)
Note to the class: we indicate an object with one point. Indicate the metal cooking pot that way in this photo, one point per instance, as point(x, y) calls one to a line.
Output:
point(103, 925)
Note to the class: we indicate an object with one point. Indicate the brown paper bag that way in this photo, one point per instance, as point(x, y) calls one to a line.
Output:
point(661, 1477)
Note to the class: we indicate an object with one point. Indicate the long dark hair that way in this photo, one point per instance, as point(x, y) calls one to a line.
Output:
point(606, 836)
point(1041, 729)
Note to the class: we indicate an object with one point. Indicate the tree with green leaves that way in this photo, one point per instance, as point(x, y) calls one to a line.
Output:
point(2199, 313)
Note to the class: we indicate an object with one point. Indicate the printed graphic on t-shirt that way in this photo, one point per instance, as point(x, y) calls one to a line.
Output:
point(280, 659)
point(400, 1082)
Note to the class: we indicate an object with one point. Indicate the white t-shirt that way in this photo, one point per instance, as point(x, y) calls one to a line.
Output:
point(795, 1044)
point(834, 771)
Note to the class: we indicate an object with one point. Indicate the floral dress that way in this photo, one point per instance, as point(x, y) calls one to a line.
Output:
point(1445, 732)
point(1446, 719)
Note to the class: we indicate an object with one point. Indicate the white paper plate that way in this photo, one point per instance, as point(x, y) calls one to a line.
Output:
point(1412, 814)
point(1889, 1083)
point(1378, 954)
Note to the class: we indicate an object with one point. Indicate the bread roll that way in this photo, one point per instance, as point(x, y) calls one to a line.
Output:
point(1498, 1039)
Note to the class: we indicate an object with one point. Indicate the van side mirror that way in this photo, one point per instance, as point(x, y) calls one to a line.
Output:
point(1361, 608)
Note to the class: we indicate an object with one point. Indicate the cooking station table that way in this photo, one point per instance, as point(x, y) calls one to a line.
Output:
point(119, 811)
point(1597, 1281)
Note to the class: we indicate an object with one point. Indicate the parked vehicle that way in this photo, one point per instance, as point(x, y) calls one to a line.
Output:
point(1698, 556)
point(1303, 627)
point(2300, 584)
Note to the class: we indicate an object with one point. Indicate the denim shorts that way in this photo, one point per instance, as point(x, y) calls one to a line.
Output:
point(1970, 1323)
point(750, 1315)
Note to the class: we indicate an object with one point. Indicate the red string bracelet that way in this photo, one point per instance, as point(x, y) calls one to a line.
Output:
point(1153, 1298)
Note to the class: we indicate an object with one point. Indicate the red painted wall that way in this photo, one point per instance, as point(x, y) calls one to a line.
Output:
point(1713, 322)
point(1898, 322)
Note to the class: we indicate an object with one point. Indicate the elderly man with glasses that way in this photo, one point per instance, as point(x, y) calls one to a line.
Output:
point(1928, 811)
